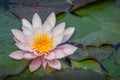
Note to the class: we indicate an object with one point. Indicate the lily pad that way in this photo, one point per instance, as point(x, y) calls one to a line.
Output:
point(88, 64)
point(8, 66)
point(94, 26)
point(113, 69)
point(99, 53)
point(74, 74)
point(117, 57)
point(27, 75)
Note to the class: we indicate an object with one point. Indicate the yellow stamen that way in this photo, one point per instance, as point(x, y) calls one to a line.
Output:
point(43, 43)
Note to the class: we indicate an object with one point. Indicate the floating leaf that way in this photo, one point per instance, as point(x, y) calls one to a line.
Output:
point(26, 9)
point(8, 66)
point(117, 57)
point(27, 75)
point(81, 3)
point(95, 26)
point(74, 74)
point(113, 69)
point(99, 53)
point(90, 64)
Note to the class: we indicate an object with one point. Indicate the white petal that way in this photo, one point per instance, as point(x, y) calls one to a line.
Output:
point(17, 54)
point(23, 46)
point(29, 56)
point(55, 64)
point(37, 23)
point(49, 23)
point(58, 29)
point(67, 34)
point(50, 56)
point(68, 49)
point(26, 23)
point(59, 54)
point(58, 39)
point(35, 64)
point(28, 33)
point(19, 35)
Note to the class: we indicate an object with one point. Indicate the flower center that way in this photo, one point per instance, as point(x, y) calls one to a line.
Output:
point(43, 43)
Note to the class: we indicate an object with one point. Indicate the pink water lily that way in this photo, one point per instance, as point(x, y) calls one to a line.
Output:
point(42, 43)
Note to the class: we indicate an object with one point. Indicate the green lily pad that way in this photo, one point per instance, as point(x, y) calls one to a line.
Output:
point(93, 25)
point(8, 66)
point(113, 69)
point(90, 64)
point(117, 57)
point(74, 74)
point(27, 75)
point(99, 53)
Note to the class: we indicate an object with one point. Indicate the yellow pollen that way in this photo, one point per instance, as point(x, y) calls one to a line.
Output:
point(43, 43)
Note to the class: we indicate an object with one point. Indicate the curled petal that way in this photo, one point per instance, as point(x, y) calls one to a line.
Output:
point(18, 55)
point(49, 56)
point(67, 34)
point(54, 64)
point(37, 23)
point(24, 46)
point(49, 23)
point(29, 56)
point(68, 49)
point(19, 35)
point(59, 29)
point(35, 64)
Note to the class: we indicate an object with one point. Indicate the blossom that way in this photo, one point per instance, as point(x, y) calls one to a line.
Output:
point(42, 43)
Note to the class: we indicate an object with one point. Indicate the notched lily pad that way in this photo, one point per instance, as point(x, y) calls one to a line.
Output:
point(99, 53)
point(74, 74)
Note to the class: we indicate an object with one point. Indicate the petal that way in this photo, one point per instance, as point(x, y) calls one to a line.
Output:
point(67, 34)
point(19, 35)
point(68, 49)
point(29, 56)
point(37, 23)
point(26, 23)
point(58, 29)
point(44, 63)
point(28, 33)
point(35, 64)
point(23, 46)
point(17, 54)
point(50, 56)
point(49, 23)
point(59, 54)
point(57, 39)
point(36, 53)
point(55, 64)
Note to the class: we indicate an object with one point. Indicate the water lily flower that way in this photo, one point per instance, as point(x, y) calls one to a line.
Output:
point(42, 43)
